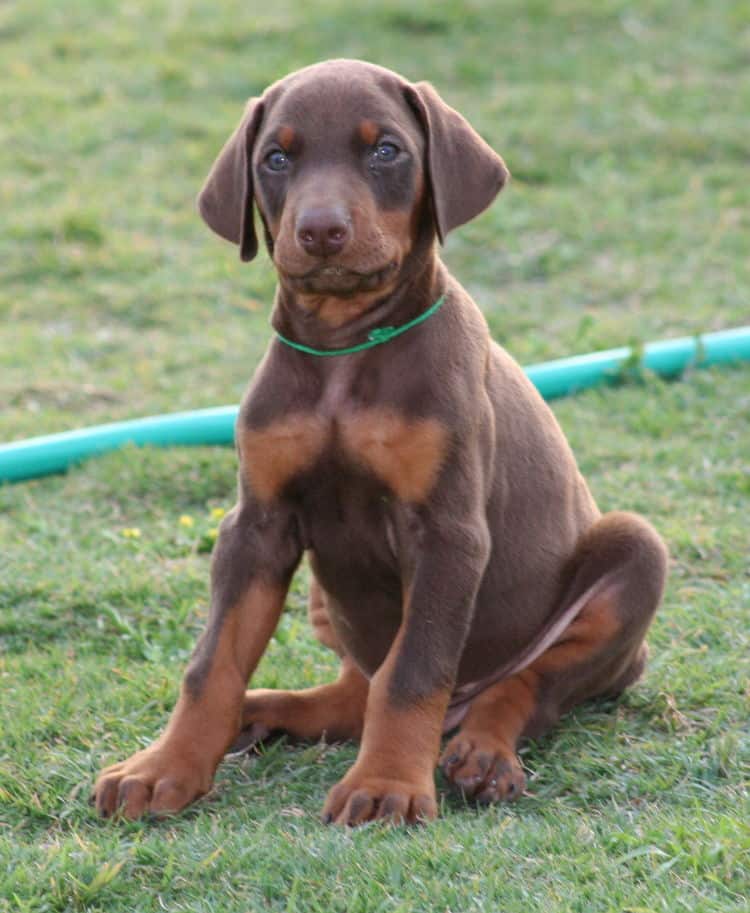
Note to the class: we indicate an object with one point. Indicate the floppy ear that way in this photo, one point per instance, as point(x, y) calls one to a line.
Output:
point(226, 200)
point(464, 173)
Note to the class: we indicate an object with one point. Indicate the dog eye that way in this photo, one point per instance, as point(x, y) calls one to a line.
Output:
point(277, 160)
point(385, 152)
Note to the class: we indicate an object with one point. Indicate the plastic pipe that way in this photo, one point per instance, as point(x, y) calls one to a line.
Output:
point(52, 453)
point(669, 358)
point(39, 456)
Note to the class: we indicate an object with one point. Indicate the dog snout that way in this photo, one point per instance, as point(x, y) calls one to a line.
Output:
point(323, 231)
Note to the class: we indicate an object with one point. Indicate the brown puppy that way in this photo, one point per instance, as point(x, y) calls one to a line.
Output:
point(465, 575)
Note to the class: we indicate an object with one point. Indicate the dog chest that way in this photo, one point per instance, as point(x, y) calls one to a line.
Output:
point(404, 454)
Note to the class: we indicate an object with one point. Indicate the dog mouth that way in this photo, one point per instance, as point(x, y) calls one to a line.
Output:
point(340, 280)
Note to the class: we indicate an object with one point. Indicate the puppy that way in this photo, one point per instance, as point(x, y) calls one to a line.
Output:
point(462, 570)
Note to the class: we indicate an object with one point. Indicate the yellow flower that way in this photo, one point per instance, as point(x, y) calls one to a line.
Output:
point(131, 532)
point(218, 512)
point(186, 520)
point(212, 533)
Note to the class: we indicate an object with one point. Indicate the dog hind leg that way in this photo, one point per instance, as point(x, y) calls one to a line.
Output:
point(622, 562)
point(334, 711)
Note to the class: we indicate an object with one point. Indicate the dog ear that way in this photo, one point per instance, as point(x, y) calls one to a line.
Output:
point(226, 200)
point(464, 173)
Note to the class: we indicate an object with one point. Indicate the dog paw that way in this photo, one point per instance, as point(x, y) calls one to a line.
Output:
point(482, 768)
point(158, 780)
point(357, 799)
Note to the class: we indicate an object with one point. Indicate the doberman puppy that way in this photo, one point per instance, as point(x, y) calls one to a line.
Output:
point(462, 570)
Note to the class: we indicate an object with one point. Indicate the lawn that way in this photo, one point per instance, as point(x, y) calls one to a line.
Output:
point(626, 129)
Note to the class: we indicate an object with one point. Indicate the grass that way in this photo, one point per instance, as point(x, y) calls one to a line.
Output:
point(625, 126)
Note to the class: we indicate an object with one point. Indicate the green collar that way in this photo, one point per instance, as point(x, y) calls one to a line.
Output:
point(374, 338)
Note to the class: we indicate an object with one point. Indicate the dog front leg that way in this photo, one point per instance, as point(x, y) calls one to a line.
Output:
point(255, 556)
point(393, 776)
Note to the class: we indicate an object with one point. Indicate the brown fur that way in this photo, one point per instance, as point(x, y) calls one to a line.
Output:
point(463, 571)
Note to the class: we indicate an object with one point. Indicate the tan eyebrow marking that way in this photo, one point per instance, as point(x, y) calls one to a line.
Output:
point(369, 132)
point(286, 138)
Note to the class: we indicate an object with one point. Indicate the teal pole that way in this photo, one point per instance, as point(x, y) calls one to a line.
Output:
point(52, 453)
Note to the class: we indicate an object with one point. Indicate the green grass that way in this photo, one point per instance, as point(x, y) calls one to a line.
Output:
point(625, 126)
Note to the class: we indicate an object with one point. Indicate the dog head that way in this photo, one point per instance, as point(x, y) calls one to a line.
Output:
point(346, 163)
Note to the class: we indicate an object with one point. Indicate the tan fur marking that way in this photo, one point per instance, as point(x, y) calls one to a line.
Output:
point(242, 639)
point(400, 225)
point(334, 711)
point(179, 766)
point(404, 454)
point(317, 612)
point(273, 455)
point(335, 312)
point(595, 627)
point(211, 720)
point(505, 708)
point(250, 625)
point(397, 755)
point(369, 132)
point(404, 742)
point(286, 138)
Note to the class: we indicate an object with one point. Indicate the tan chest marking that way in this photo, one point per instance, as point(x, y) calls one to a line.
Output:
point(273, 455)
point(404, 454)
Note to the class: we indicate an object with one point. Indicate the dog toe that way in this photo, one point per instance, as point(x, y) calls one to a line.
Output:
point(483, 769)
point(504, 783)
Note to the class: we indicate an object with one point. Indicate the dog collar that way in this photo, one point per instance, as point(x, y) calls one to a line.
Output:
point(375, 337)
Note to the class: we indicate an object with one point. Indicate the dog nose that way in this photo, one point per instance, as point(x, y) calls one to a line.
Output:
point(323, 231)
